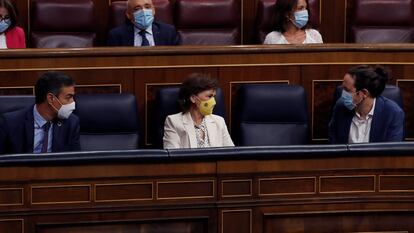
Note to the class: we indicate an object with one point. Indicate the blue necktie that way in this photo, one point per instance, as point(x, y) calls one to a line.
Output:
point(144, 42)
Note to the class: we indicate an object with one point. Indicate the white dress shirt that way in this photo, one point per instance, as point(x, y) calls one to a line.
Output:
point(149, 35)
point(361, 127)
point(275, 37)
point(3, 44)
point(39, 133)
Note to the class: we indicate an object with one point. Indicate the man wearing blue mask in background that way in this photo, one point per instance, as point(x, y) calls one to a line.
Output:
point(47, 126)
point(140, 29)
point(349, 88)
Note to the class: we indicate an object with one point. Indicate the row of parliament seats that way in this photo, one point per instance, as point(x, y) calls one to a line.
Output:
point(71, 23)
point(107, 121)
point(263, 115)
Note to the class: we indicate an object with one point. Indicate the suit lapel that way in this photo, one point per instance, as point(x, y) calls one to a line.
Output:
point(156, 34)
point(377, 121)
point(189, 128)
point(29, 131)
point(211, 130)
point(57, 128)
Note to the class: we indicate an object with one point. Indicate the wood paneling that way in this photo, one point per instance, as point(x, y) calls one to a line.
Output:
point(127, 227)
point(346, 184)
point(60, 194)
point(337, 222)
point(11, 196)
point(170, 190)
point(287, 186)
point(16, 90)
point(123, 192)
point(346, 198)
point(11, 225)
point(236, 188)
point(396, 183)
point(333, 21)
point(99, 89)
point(242, 217)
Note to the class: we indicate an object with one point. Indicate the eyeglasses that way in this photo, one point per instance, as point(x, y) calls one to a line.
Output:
point(4, 18)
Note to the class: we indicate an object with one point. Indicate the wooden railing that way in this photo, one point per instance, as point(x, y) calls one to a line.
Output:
point(271, 189)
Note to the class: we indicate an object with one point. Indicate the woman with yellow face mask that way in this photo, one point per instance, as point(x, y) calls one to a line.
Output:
point(196, 126)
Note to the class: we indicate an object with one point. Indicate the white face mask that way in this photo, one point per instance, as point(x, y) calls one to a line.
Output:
point(65, 110)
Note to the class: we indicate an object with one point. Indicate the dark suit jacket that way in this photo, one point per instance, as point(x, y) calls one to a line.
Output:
point(164, 34)
point(17, 132)
point(387, 123)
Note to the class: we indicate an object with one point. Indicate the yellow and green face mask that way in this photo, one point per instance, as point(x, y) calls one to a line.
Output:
point(206, 107)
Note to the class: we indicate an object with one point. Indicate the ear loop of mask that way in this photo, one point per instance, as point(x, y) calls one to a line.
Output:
point(57, 110)
point(363, 99)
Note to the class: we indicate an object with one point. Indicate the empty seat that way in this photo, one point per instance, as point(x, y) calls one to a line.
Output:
point(391, 92)
point(166, 103)
point(381, 21)
point(15, 102)
point(264, 17)
point(208, 22)
point(270, 114)
point(62, 23)
point(107, 121)
point(163, 12)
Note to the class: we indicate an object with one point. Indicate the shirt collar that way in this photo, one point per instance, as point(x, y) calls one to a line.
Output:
point(148, 30)
point(39, 120)
point(371, 112)
point(201, 125)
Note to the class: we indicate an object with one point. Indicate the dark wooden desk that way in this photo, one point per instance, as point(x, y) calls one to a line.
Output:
point(255, 190)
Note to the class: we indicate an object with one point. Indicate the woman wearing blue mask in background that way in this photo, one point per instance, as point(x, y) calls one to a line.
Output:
point(362, 115)
point(291, 20)
point(11, 36)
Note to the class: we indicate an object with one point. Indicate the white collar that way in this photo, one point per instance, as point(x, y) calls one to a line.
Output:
point(371, 112)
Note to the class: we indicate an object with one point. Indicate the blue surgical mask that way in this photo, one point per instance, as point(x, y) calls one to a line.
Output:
point(4, 25)
point(143, 18)
point(347, 100)
point(301, 18)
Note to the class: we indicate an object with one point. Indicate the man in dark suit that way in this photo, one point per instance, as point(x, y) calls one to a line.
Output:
point(140, 28)
point(362, 115)
point(49, 125)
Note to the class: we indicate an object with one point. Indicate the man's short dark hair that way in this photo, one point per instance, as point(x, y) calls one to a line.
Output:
point(194, 84)
point(51, 82)
point(371, 78)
